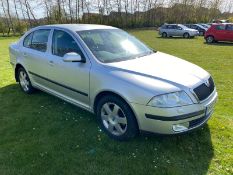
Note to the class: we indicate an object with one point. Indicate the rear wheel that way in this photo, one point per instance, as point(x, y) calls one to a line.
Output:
point(116, 118)
point(210, 39)
point(24, 81)
point(164, 34)
point(186, 35)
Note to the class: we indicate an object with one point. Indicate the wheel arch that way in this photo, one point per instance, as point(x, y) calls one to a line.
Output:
point(109, 92)
point(18, 65)
point(209, 36)
point(165, 33)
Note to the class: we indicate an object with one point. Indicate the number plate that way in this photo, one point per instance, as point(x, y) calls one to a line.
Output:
point(210, 107)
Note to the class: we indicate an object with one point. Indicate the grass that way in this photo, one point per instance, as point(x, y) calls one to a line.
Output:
point(41, 134)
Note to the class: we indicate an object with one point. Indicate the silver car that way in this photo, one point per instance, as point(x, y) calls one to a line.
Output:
point(169, 30)
point(110, 73)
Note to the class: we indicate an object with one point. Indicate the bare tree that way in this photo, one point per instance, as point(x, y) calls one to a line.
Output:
point(6, 18)
point(9, 16)
point(70, 10)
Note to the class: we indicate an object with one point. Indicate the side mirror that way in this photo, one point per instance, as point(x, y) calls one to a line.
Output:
point(72, 57)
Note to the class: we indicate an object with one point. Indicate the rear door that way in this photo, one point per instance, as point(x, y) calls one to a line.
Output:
point(229, 32)
point(170, 30)
point(34, 52)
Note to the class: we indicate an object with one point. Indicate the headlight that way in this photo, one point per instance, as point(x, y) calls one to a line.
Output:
point(173, 99)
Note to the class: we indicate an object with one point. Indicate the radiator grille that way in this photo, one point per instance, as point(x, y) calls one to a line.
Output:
point(205, 89)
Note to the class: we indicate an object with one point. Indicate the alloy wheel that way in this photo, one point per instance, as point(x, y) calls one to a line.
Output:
point(186, 35)
point(164, 35)
point(210, 39)
point(23, 80)
point(114, 119)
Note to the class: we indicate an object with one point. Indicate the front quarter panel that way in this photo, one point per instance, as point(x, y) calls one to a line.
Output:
point(131, 87)
point(101, 80)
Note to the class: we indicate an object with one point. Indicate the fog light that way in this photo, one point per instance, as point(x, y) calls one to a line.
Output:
point(179, 127)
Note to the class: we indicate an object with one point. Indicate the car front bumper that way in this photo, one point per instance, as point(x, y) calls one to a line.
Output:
point(174, 120)
point(195, 34)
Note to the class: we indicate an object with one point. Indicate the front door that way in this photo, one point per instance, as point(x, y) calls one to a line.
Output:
point(178, 31)
point(68, 79)
point(220, 33)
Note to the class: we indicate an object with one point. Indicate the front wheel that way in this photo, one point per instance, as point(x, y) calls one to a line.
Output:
point(209, 39)
point(164, 35)
point(24, 81)
point(186, 35)
point(116, 118)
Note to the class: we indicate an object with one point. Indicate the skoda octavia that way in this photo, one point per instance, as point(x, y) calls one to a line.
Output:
point(104, 70)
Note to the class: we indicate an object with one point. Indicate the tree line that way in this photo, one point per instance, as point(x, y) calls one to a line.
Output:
point(17, 16)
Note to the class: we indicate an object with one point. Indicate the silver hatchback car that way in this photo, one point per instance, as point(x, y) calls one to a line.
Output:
point(110, 73)
point(168, 30)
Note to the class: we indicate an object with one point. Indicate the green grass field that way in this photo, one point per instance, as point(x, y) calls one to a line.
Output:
point(41, 134)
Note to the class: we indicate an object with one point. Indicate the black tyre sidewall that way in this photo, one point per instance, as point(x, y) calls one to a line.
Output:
point(186, 34)
point(132, 127)
point(164, 34)
point(30, 87)
point(208, 40)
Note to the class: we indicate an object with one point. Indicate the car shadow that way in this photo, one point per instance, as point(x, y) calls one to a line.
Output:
point(176, 37)
point(220, 43)
point(51, 135)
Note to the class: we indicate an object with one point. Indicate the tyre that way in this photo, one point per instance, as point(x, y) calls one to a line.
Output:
point(210, 39)
point(24, 81)
point(164, 35)
point(186, 35)
point(116, 118)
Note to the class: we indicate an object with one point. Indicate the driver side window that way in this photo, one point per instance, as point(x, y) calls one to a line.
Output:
point(63, 43)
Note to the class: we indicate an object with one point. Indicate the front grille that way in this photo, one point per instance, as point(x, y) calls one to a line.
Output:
point(203, 91)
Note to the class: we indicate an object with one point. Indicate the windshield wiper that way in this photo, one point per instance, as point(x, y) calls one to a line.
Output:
point(145, 54)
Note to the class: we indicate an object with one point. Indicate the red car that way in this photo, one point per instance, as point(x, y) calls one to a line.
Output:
point(219, 32)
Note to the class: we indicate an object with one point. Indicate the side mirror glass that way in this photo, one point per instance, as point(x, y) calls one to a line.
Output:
point(72, 57)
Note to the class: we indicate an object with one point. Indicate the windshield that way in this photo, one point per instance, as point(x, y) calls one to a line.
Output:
point(183, 26)
point(112, 45)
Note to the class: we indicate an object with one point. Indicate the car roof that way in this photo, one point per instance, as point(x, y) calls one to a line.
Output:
point(170, 24)
point(77, 27)
point(215, 24)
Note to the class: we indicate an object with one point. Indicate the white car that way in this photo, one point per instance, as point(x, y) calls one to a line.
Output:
point(110, 73)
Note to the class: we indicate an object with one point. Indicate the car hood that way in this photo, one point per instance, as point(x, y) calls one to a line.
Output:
point(163, 67)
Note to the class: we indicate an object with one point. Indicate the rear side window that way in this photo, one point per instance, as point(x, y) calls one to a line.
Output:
point(28, 40)
point(229, 27)
point(170, 27)
point(40, 40)
point(64, 43)
point(220, 27)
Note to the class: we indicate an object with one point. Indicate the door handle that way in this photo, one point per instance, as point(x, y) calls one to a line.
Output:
point(51, 63)
point(24, 54)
